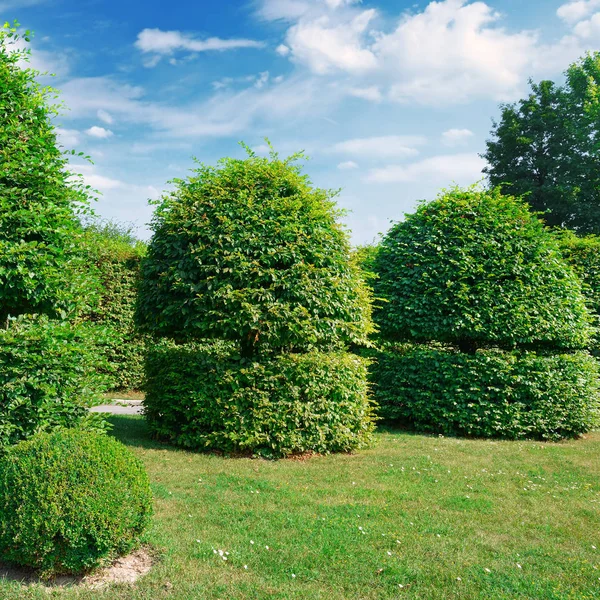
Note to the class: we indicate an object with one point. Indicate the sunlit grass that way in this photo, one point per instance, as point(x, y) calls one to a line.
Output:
point(414, 517)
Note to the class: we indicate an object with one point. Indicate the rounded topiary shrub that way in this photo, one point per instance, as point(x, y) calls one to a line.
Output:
point(206, 397)
point(499, 320)
point(251, 257)
point(494, 393)
point(69, 500)
point(476, 268)
point(250, 251)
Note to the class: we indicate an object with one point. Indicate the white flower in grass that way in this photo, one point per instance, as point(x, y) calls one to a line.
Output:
point(487, 570)
point(252, 541)
point(293, 575)
point(245, 566)
point(519, 566)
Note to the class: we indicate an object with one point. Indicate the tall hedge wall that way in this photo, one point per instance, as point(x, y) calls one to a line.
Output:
point(115, 256)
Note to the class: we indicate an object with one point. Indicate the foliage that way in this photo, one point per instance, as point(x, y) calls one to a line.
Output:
point(547, 146)
point(47, 378)
point(494, 393)
point(205, 397)
point(41, 269)
point(249, 251)
point(475, 268)
point(583, 254)
point(69, 500)
point(115, 255)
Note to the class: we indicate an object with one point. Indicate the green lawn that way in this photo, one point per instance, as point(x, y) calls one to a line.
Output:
point(414, 517)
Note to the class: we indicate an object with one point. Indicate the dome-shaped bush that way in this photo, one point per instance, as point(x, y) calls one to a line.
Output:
point(249, 251)
point(69, 500)
point(494, 322)
point(476, 268)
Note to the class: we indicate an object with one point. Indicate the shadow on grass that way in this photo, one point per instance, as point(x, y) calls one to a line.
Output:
point(132, 431)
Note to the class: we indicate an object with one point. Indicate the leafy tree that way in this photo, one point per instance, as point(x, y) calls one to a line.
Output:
point(248, 251)
point(547, 146)
point(41, 268)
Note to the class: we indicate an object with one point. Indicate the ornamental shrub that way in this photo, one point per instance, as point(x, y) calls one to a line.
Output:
point(249, 251)
point(248, 260)
point(494, 322)
point(115, 256)
point(476, 268)
point(41, 267)
point(48, 378)
point(70, 500)
point(494, 393)
point(583, 254)
point(203, 396)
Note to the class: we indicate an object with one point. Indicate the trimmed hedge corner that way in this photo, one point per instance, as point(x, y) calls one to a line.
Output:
point(69, 500)
point(205, 397)
point(47, 378)
point(492, 393)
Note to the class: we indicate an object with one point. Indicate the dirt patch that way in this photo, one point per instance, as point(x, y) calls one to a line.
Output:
point(127, 569)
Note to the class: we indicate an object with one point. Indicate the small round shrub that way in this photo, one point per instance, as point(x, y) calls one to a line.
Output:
point(69, 500)
point(476, 268)
point(205, 397)
point(493, 393)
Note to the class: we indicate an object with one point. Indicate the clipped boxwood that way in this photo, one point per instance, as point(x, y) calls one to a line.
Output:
point(493, 393)
point(47, 378)
point(205, 397)
point(70, 500)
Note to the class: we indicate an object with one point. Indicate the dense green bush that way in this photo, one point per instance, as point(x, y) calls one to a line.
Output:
point(493, 393)
point(476, 268)
point(69, 500)
point(583, 254)
point(41, 267)
point(250, 266)
point(115, 255)
point(203, 396)
point(249, 251)
point(499, 319)
point(48, 378)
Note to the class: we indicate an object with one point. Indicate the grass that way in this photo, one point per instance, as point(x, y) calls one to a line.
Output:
point(443, 518)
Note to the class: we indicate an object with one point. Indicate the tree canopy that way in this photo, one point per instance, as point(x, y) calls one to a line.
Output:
point(548, 147)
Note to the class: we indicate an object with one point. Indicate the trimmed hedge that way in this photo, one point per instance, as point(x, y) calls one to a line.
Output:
point(115, 256)
point(48, 378)
point(70, 500)
point(583, 254)
point(475, 268)
point(492, 393)
point(206, 397)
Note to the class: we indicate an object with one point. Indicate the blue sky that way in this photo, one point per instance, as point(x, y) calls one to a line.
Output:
point(392, 100)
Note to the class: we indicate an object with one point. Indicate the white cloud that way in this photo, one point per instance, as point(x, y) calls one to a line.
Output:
point(69, 138)
point(573, 12)
point(589, 28)
point(105, 117)
point(282, 50)
point(372, 93)
point(387, 146)
point(463, 169)
point(325, 45)
point(347, 165)
point(99, 132)
point(161, 43)
point(456, 137)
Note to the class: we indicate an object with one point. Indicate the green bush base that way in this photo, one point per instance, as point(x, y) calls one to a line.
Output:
point(493, 393)
point(69, 500)
point(205, 397)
